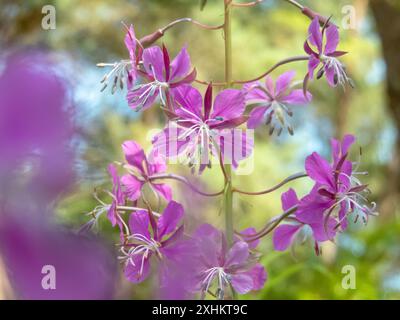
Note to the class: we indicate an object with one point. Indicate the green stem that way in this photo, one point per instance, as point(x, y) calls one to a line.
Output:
point(228, 193)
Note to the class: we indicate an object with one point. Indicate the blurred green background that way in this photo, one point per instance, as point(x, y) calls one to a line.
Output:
point(90, 31)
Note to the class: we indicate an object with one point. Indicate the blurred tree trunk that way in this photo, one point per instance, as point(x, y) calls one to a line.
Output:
point(387, 17)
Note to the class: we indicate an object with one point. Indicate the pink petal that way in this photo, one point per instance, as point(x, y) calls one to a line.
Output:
point(250, 232)
point(289, 199)
point(297, 97)
point(139, 223)
point(190, 102)
point(283, 236)
point(283, 82)
point(235, 145)
point(180, 66)
point(238, 254)
point(141, 99)
point(132, 186)
point(169, 220)
point(319, 169)
point(229, 104)
point(135, 273)
point(167, 144)
point(315, 34)
point(254, 93)
point(153, 62)
point(330, 75)
point(313, 63)
point(256, 117)
point(130, 43)
point(332, 39)
point(323, 233)
point(134, 154)
point(242, 282)
point(259, 276)
point(164, 190)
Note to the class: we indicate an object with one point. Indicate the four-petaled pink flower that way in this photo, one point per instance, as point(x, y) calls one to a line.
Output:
point(337, 191)
point(273, 102)
point(141, 170)
point(163, 77)
point(321, 47)
point(284, 234)
point(200, 129)
point(222, 267)
point(149, 238)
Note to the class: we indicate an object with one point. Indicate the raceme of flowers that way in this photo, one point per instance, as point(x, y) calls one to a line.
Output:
point(201, 127)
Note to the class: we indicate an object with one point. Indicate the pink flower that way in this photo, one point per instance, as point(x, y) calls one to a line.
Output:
point(321, 47)
point(222, 267)
point(148, 238)
point(124, 72)
point(200, 128)
point(163, 77)
point(141, 170)
point(274, 101)
point(337, 191)
point(286, 233)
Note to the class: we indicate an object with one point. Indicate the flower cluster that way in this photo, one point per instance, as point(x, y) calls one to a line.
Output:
point(336, 194)
point(201, 128)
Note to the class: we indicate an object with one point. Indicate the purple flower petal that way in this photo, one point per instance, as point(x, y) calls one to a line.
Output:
point(228, 104)
point(250, 232)
point(297, 97)
point(180, 66)
point(313, 63)
point(132, 186)
point(283, 82)
point(237, 255)
point(169, 220)
point(139, 271)
point(315, 34)
point(139, 223)
point(190, 102)
point(164, 190)
point(242, 282)
point(168, 143)
point(289, 199)
point(130, 43)
point(330, 75)
point(259, 276)
point(283, 236)
point(323, 233)
point(256, 117)
point(319, 170)
point(153, 62)
point(134, 154)
point(254, 93)
point(332, 39)
point(141, 99)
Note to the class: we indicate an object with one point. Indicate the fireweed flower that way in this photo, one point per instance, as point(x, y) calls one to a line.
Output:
point(285, 234)
point(140, 170)
point(220, 267)
point(273, 102)
point(199, 129)
point(149, 238)
point(124, 72)
point(321, 47)
point(163, 77)
point(337, 191)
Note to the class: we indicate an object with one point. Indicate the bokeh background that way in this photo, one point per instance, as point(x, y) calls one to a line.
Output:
point(88, 32)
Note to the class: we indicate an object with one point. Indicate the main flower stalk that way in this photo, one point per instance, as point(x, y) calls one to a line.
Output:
point(228, 194)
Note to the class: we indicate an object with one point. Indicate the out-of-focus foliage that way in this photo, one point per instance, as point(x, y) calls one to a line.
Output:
point(90, 31)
